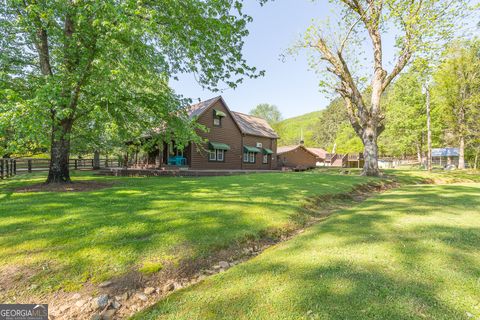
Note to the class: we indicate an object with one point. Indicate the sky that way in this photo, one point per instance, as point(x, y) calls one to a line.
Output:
point(288, 83)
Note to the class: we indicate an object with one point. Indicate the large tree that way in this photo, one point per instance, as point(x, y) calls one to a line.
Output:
point(116, 56)
point(268, 112)
point(417, 24)
point(457, 90)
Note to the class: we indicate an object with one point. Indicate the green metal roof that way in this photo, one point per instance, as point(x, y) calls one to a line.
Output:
point(219, 113)
point(218, 146)
point(251, 149)
point(267, 151)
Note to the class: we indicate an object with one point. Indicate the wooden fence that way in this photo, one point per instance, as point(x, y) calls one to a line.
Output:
point(11, 167)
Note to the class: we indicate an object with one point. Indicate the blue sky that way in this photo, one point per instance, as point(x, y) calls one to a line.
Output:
point(289, 84)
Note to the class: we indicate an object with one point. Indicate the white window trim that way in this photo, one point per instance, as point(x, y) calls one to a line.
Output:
point(220, 152)
point(265, 159)
point(251, 157)
point(212, 153)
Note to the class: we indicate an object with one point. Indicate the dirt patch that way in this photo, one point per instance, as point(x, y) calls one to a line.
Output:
point(77, 186)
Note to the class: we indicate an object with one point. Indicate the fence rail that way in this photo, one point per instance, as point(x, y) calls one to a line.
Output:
point(11, 167)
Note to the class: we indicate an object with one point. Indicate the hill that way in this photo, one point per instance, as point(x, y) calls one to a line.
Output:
point(320, 128)
point(290, 129)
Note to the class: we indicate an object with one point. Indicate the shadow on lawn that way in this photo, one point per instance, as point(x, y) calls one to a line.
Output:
point(337, 271)
point(95, 235)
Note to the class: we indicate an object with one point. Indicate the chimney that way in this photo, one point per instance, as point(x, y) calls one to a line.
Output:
point(301, 137)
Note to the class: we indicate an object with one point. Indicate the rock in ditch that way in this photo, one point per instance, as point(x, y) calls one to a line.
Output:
point(80, 303)
point(149, 290)
point(108, 314)
point(141, 296)
point(169, 287)
point(102, 301)
point(105, 284)
point(223, 264)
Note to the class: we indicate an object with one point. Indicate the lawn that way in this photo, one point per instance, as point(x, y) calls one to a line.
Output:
point(51, 240)
point(409, 253)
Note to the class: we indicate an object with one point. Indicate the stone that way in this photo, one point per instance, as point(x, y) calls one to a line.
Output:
point(33, 287)
point(134, 307)
point(63, 308)
point(216, 267)
point(108, 314)
point(105, 284)
point(76, 296)
point(169, 287)
point(116, 304)
point(102, 301)
point(80, 303)
point(141, 296)
point(149, 290)
point(223, 264)
point(96, 316)
point(125, 296)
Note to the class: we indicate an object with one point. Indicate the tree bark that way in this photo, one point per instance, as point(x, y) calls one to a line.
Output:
point(370, 151)
point(59, 171)
point(461, 153)
point(96, 160)
point(475, 164)
point(419, 154)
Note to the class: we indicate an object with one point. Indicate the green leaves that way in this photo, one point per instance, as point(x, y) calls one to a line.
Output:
point(110, 63)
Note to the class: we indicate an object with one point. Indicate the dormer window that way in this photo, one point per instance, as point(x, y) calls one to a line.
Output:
point(217, 117)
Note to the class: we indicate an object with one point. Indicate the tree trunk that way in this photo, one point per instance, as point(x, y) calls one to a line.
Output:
point(59, 153)
point(461, 153)
point(96, 160)
point(475, 164)
point(419, 153)
point(370, 152)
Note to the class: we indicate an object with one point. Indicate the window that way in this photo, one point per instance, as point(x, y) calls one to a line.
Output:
point(217, 121)
point(216, 155)
point(212, 155)
point(249, 157)
point(265, 159)
point(220, 155)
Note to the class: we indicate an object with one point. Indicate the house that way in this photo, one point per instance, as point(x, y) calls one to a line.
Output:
point(234, 141)
point(299, 156)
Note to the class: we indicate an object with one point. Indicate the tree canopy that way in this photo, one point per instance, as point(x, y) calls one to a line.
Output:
point(68, 65)
point(268, 112)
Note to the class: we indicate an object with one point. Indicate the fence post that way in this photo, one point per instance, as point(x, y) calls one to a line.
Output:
point(76, 164)
point(29, 164)
point(7, 169)
point(15, 167)
point(1, 168)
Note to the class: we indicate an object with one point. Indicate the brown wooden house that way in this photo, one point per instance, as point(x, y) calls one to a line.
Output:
point(300, 157)
point(235, 141)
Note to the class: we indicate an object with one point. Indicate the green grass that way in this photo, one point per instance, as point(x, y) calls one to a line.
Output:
point(62, 240)
point(410, 253)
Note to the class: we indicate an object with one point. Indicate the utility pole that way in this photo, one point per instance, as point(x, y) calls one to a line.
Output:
point(429, 129)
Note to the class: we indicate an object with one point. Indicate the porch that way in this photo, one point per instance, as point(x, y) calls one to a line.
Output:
point(168, 156)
